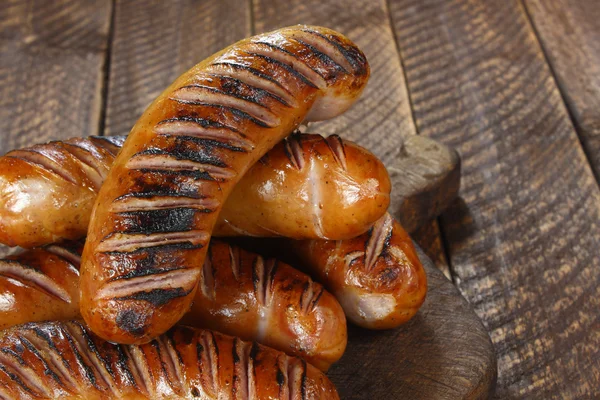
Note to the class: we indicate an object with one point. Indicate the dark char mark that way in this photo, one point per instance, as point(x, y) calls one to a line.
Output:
point(303, 386)
point(158, 221)
point(195, 174)
point(124, 366)
point(323, 58)
point(211, 143)
point(158, 297)
point(203, 122)
point(234, 86)
point(88, 371)
point(181, 152)
point(283, 65)
point(236, 113)
point(47, 370)
point(351, 54)
point(16, 379)
point(166, 192)
point(132, 322)
point(254, 72)
point(46, 338)
point(92, 346)
point(158, 248)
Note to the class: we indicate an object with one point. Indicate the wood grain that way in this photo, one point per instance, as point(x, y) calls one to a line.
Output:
point(52, 55)
point(156, 41)
point(569, 32)
point(444, 352)
point(381, 120)
point(524, 241)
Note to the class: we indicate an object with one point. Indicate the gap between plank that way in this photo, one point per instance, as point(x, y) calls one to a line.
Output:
point(544, 52)
point(106, 69)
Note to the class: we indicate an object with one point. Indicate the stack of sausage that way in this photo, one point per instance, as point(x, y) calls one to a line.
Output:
point(208, 156)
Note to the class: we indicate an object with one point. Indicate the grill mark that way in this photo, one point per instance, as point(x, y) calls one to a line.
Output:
point(379, 236)
point(129, 243)
point(235, 261)
point(141, 369)
point(241, 368)
point(138, 203)
point(332, 49)
point(33, 278)
point(162, 162)
point(283, 65)
point(88, 372)
point(336, 145)
point(323, 57)
point(207, 283)
point(90, 353)
point(290, 59)
point(24, 374)
point(352, 257)
point(47, 370)
point(294, 152)
point(88, 162)
point(257, 92)
point(112, 144)
point(212, 357)
point(316, 197)
point(170, 366)
point(263, 275)
point(255, 78)
point(71, 256)
point(184, 279)
point(294, 378)
point(202, 129)
point(123, 364)
point(40, 339)
point(311, 293)
point(34, 157)
point(194, 174)
point(283, 377)
point(206, 95)
point(17, 380)
point(148, 222)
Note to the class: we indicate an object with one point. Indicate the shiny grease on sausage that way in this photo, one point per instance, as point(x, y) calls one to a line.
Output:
point(241, 294)
point(66, 360)
point(155, 212)
point(306, 187)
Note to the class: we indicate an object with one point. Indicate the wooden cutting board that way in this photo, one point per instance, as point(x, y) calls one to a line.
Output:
point(444, 352)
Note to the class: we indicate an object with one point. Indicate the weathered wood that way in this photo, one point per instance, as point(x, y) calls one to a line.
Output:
point(381, 120)
point(444, 352)
point(426, 176)
point(52, 55)
point(524, 241)
point(155, 41)
point(569, 32)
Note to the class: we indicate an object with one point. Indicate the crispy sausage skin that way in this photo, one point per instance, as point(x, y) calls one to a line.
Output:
point(377, 277)
point(302, 176)
point(66, 360)
point(244, 295)
point(47, 191)
point(155, 213)
point(308, 187)
point(241, 294)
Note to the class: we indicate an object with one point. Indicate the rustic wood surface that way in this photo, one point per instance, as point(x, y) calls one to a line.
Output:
point(521, 243)
point(569, 32)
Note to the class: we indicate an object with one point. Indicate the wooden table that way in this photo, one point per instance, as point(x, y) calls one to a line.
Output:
point(514, 85)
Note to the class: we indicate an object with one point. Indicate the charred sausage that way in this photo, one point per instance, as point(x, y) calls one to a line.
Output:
point(66, 360)
point(241, 294)
point(377, 277)
point(306, 187)
point(156, 210)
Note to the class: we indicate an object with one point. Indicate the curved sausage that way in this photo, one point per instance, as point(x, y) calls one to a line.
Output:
point(155, 212)
point(342, 184)
point(241, 294)
point(66, 360)
point(377, 277)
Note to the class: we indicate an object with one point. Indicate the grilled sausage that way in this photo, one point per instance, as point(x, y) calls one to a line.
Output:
point(47, 191)
point(241, 294)
point(66, 360)
point(308, 187)
point(377, 277)
point(303, 176)
point(155, 212)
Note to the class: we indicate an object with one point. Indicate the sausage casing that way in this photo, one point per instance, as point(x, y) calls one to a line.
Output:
point(377, 277)
point(241, 294)
point(66, 360)
point(306, 187)
point(155, 212)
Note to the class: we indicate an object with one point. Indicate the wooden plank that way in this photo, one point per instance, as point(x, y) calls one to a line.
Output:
point(52, 56)
point(524, 241)
point(381, 119)
point(569, 32)
point(412, 361)
point(155, 41)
